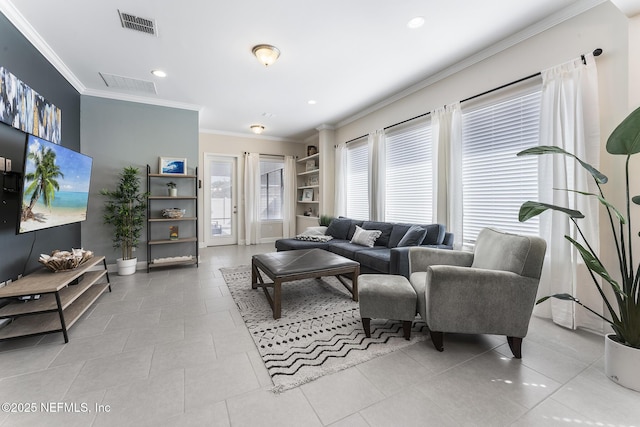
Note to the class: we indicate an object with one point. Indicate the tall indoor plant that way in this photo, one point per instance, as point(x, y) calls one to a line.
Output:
point(624, 315)
point(125, 210)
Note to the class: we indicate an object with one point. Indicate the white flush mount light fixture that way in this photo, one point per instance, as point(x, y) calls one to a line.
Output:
point(159, 73)
point(416, 22)
point(312, 102)
point(266, 54)
point(257, 129)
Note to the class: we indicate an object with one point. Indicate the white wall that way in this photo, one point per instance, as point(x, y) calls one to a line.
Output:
point(236, 146)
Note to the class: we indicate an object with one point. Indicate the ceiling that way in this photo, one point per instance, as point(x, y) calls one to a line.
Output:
point(348, 56)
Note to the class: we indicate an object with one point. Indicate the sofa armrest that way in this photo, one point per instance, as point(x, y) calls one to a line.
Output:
point(472, 300)
point(420, 258)
point(399, 261)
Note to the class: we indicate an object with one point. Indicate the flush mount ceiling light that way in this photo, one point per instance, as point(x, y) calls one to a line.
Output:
point(266, 53)
point(416, 22)
point(159, 73)
point(257, 129)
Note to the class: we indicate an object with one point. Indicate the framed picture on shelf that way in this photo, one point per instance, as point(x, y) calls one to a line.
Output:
point(307, 195)
point(313, 180)
point(311, 165)
point(172, 166)
point(311, 150)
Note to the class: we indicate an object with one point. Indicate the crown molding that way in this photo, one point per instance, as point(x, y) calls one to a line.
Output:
point(549, 22)
point(16, 18)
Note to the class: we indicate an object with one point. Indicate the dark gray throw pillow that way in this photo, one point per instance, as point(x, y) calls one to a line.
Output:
point(413, 237)
point(339, 228)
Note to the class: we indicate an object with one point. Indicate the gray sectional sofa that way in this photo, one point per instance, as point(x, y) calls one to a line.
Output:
point(386, 256)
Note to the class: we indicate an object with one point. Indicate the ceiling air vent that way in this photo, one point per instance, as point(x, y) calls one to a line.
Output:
point(127, 83)
point(132, 22)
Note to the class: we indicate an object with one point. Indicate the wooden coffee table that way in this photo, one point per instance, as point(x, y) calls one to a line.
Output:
point(287, 266)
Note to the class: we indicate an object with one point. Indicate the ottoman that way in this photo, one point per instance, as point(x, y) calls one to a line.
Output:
point(384, 296)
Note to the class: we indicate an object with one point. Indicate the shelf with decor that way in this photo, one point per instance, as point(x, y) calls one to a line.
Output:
point(308, 190)
point(172, 221)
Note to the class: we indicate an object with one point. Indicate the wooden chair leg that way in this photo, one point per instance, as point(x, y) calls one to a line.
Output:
point(515, 344)
point(406, 328)
point(366, 325)
point(437, 339)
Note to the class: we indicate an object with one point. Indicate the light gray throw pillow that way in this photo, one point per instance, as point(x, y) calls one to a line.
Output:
point(365, 237)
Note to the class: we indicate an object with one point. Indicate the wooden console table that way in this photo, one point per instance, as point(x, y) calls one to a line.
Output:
point(61, 303)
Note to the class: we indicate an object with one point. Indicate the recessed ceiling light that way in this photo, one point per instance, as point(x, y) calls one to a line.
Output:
point(159, 73)
point(312, 102)
point(416, 22)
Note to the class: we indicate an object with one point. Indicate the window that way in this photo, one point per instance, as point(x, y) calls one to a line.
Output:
point(271, 189)
point(409, 174)
point(358, 180)
point(495, 181)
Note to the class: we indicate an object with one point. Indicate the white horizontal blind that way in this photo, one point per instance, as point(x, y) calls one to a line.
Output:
point(409, 173)
point(358, 180)
point(271, 189)
point(495, 181)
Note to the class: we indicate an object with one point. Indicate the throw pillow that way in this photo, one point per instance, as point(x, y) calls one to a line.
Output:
point(365, 237)
point(316, 238)
point(339, 228)
point(413, 237)
point(315, 231)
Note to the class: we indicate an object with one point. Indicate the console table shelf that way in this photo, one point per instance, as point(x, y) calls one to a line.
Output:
point(60, 304)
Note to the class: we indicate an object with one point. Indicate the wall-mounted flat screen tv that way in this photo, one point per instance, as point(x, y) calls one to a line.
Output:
point(55, 186)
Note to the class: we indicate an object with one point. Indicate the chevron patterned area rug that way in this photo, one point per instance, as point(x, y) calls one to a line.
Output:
point(320, 330)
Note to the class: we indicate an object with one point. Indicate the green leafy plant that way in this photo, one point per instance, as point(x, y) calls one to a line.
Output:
point(325, 220)
point(171, 184)
point(126, 211)
point(625, 318)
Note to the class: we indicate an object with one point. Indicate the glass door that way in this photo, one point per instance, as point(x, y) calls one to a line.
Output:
point(220, 195)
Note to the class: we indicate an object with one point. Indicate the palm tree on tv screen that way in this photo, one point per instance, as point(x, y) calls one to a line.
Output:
point(44, 180)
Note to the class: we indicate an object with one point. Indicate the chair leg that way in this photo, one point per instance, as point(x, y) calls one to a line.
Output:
point(515, 344)
point(366, 325)
point(406, 328)
point(437, 338)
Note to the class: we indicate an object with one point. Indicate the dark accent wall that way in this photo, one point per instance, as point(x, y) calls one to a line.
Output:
point(19, 253)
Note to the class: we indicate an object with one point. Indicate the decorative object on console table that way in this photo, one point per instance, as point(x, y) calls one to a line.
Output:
point(125, 210)
point(311, 165)
point(307, 195)
point(172, 166)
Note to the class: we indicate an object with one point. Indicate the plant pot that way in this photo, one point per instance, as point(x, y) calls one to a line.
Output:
point(621, 363)
point(173, 192)
point(126, 267)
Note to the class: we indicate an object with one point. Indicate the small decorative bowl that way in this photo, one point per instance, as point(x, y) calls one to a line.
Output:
point(173, 213)
point(65, 260)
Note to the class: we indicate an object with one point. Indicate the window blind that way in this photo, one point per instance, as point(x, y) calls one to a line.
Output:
point(409, 173)
point(358, 180)
point(271, 189)
point(495, 181)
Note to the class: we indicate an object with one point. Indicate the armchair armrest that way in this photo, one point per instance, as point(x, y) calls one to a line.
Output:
point(421, 258)
point(472, 300)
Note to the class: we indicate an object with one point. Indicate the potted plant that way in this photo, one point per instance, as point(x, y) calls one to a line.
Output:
point(173, 191)
point(126, 212)
point(325, 220)
point(622, 348)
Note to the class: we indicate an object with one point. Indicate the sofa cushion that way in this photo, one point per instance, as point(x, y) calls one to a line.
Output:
point(376, 258)
point(397, 233)
point(339, 228)
point(352, 228)
point(384, 227)
point(365, 237)
point(345, 248)
point(435, 234)
point(292, 244)
point(413, 237)
point(496, 250)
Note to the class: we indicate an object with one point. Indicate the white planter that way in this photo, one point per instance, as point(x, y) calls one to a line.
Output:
point(173, 192)
point(621, 363)
point(126, 267)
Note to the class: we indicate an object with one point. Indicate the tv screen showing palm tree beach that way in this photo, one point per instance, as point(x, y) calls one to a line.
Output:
point(55, 188)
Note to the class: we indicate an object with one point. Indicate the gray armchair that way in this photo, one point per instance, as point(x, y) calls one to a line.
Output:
point(489, 291)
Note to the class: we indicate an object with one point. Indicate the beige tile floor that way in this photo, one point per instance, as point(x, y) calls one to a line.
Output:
point(170, 349)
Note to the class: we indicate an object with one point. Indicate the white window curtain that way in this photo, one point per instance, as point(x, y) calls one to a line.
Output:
point(252, 198)
point(377, 166)
point(340, 201)
point(289, 198)
point(569, 120)
point(446, 134)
